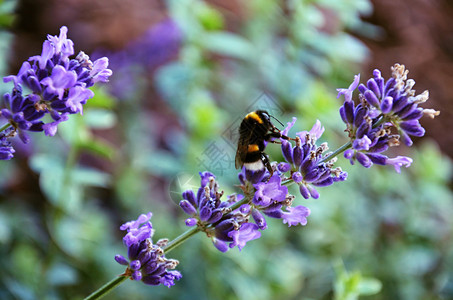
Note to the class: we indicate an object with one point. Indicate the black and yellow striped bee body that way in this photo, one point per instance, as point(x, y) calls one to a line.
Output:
point(255, 129)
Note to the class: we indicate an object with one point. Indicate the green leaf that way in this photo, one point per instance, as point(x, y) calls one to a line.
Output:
point(90, 177)
point(99, 147)
point(101, 99)
point(100, 118)
point(228, 44)
point(369, 286)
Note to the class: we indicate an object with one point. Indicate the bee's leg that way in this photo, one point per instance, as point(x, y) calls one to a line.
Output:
point(265, 160)
point(276, 135)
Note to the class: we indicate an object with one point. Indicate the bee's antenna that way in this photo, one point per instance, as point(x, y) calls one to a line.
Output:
point(277, 120)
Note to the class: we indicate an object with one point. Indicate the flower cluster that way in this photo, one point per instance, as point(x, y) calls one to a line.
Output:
point(146, 260)
point(58, 87)
point(309, 165)
point(388, 111)
point(215, 217)
point(229, 223)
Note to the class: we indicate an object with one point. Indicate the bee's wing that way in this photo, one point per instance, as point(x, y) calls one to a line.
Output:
point(243, 144)
point(241, 152)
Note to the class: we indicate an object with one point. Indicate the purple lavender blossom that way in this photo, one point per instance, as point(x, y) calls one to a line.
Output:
point(387, 113)
point(308, 168)
point(59, 87)
point(209, 213)
point(147, 261)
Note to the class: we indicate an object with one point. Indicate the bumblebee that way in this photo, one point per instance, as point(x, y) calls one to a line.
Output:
point(253, 131)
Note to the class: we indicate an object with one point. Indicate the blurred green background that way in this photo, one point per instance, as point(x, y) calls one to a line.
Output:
point(185, 73)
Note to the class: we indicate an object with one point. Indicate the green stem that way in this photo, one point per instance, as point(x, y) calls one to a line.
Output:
point(106, 288)
point(336, 152)
point(6, 126)
point(181, 239)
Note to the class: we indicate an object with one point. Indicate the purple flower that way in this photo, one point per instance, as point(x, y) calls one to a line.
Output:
point(347, 93)
point(205, 207)
point(296, 215)
point(385, 108)
point(399, 162)
point(6, 150)
point(247, 232)
point(307, 161)
point(58, 85)
point(269, 192)
point(147, 261)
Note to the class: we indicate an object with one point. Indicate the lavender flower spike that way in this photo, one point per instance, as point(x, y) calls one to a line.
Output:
point(147, 262)
point(59, 87)
point(388, 112)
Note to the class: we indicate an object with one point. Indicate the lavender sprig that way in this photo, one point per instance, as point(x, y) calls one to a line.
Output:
point(387, 112)
point(58, 87)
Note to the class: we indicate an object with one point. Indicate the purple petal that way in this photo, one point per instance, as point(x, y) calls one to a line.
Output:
point(348, 92)
point(399, 162)
point(362, 144)
point(246, 233)
point(100, 73)
point(296, 215)
point(289, 125)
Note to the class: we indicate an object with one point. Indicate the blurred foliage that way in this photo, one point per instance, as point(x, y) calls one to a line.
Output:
point(379, 234)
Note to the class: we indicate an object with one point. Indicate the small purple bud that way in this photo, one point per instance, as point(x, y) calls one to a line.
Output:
point(360, 114)
point(412, 127)
point(287, 151)
point(190, 196)
point(136, 275)
point(407, 110)
point(405, 138)
point(377, 158)
point(191, 222)
point(312, 175)
point(326, 182)
point(373, 86)
point(313, 192)
point(135, 265)
point(220, 245)
point(343, 115)
point(151, 280)
point(283, 167)
point(205, 213)
point(244, 208)
point(415, 115)
point(259, 219)
point(121, 260)
point(363, 129)
point(304, 191)
point(215, 216)
point(363, 159)
point(386, 105)
point(188, 208)
point(399, 103)
point(297, 156)
point(349, 111)
point(297, 177)
point(362, 88)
